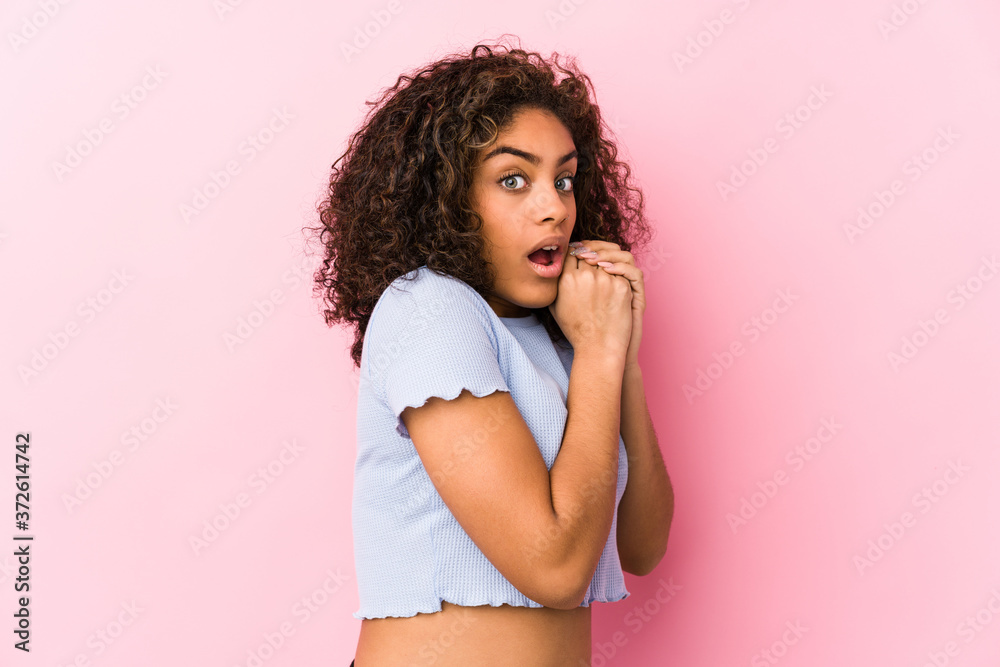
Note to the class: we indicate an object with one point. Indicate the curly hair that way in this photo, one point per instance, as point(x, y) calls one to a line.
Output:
point(401, 197)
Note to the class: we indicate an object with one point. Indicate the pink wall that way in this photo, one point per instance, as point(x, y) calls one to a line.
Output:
point(836, 496)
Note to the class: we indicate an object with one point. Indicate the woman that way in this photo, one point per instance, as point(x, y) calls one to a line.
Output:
point(507, 470)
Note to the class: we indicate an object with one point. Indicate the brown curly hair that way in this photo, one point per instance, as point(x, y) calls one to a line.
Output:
point(401, 197)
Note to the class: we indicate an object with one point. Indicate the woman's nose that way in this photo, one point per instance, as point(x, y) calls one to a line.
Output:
point(547, 203)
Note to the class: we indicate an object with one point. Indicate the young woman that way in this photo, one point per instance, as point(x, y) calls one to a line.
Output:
point(478, 237)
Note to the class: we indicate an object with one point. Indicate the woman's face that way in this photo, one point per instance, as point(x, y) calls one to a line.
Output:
point(523, 189)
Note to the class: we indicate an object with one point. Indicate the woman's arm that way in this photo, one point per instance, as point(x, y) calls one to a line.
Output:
point(544, 530)
point(647, 505)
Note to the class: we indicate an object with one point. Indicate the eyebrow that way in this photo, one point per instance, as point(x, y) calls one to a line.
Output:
point(533, 159)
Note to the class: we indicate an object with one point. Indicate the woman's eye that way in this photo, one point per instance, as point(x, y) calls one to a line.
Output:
point(510, 181)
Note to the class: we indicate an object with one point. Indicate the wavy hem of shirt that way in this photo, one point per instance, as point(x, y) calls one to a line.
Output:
point(451, 393)
point(475, 603)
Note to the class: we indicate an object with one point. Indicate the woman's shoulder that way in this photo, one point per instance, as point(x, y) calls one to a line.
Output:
point(432, 294)
point(423, 320)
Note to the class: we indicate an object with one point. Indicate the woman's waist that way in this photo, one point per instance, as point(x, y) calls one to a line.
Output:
point(481, 635)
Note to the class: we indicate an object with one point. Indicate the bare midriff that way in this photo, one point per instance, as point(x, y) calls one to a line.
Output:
point(483, 636)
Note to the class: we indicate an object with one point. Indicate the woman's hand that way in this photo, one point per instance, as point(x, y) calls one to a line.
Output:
point(620, 263)
point(593, 308)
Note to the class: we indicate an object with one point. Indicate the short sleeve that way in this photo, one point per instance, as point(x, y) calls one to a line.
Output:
point(431, 337)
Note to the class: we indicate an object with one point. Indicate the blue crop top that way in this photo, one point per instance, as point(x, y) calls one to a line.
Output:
point(434, 336)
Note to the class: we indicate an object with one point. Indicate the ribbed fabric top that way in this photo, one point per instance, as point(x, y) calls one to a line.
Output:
point(434, 336)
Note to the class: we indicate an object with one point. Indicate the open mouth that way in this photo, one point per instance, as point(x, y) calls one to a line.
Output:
point(544, 256)
point(547, 261)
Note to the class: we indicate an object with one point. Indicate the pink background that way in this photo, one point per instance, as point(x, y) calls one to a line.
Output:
point(169, 292)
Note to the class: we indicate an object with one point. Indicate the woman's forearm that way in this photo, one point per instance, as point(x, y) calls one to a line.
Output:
point(647, 506)
point(584, 476)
